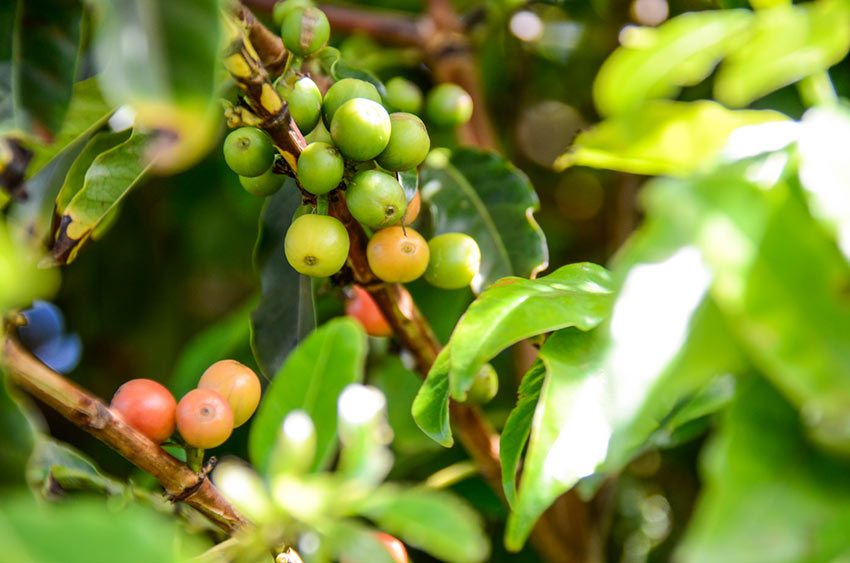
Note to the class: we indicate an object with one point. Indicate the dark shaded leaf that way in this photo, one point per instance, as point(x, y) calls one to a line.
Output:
point(483, 195)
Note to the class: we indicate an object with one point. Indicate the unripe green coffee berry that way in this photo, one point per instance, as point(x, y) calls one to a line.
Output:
point(448, 105)
point(248, 151)
point(484, 386)
point(344, 90)
point(375, 198)
point(409, 143)
point(283, 9)
point(404, 95)
point(320, 168)
point(265, 184)
point(316, 245)
point(305, 31)
point(305, 104)
point(361, 129)
point(455, 259)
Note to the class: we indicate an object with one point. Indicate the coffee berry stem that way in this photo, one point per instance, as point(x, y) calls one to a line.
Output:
point(194, 458)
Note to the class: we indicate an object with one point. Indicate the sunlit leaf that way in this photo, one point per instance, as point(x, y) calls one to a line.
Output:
point(437, 522)
point(286, 313)
point(39, 45)
point(518, 427)
point(481, 194)
point(75, 179)
point(655, 62)
point(311, 379)
point(768, 494)
point(664, 137)
point(431, 405)
point(569, 431)
point(786, 43)
point(108, 180)
point(514, 309)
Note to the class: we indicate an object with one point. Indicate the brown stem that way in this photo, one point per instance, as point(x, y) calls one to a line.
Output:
point(92, 415)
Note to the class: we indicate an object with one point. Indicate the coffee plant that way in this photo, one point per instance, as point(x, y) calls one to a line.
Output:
point(271, 217)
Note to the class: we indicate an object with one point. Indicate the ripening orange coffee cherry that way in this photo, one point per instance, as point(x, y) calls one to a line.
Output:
point(204, 418)
point(362, 307)
point(239, 386)
point(147, 406)
point(394, 546)
point(396, 257)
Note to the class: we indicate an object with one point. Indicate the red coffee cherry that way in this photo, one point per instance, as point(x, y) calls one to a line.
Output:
point(394, 546)
point(238, 384)
point(363, 308)
point(147, 406)
point(204, 418)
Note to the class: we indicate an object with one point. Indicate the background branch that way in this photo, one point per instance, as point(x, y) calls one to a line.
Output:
point(92, 415)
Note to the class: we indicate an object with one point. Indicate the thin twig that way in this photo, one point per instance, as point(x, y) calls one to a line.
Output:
point(92, 415)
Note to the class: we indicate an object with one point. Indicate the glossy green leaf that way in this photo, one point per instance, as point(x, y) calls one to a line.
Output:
point(161, 57)
point(437, 522)
point(655, 62)
point(75, 179)
point(286, 312)
point(88, 530)
point(577, 295)
point(431, 405)
point(222, 340)
point(39, 45)
point(664, 137)
point(518, 427)
point(569, 431)
point(346, 539)
point(768, 494)
point(311, 379)
point(108, 180)
point(786, 43)
point(483, 195)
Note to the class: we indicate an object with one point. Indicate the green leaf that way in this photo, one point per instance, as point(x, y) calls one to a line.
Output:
point(218, 342)
point(664, 137)
point(19, 432)
point(39, 45)
point(286, 312)
point(786, 43)
point(577, 295)
point(483, 195)
point(352, 541)
point(110, 177)
point(768, 494)
point(311, 379)
point(655, 62)
point(75, 179)
point(518, 427)
point(161, 56)
point(431, 405)
point(437, 522)
point(87, 530)
point(569, 432)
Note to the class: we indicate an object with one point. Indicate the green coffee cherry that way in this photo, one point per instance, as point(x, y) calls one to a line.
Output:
point(409, 143)
point(484, 386)
point(320, 168)
point(344, 90)
point(316, 245)
point(375, 198)
point(305, 104)
point(448, 105)
point(248, 151)
point(455, 259)
point(282, 9)
point(305, 31)
point(361, 129)
point(265, 184)
point(403, 95)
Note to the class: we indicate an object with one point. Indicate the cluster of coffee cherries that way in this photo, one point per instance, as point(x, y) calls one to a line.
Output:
point(226, 396)
point(359, 143)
